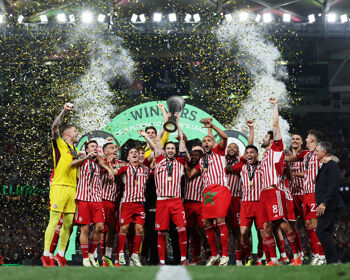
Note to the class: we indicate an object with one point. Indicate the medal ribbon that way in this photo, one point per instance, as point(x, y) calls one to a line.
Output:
point(134, 171)
point(251, 175)
point(308, 160)
point(169, 167)
point(92, 169)
point(73, 151)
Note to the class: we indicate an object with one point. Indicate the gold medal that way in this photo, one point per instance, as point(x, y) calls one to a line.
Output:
point(250, 183)
point(136, 183)
point(205, 170)
point(170, 179)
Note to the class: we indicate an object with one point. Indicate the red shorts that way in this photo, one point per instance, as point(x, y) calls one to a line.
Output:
point(110, 212)
point(290, 210)
point(167, 209)
point(309, 203)
point(193, 212)
point(132, 212)
point(216, 202)
point(250, 211)
point(89, 212)
point(232, 217)
point(298, 206)
point(60, 222)
point(273, 205)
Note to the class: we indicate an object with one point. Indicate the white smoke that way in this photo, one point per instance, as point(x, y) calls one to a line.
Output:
point(259, 56)
point(91, 94)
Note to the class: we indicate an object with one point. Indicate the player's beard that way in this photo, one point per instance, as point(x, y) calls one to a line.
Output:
point(265, 144)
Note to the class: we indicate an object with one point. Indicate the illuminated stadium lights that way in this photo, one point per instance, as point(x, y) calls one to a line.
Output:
point(243, 16)
point(228, 17)
point(331, 18)
point(344, 18)
point(138, 19)
point(101, 18)
point(134, 18)
point(87, 17)
point(2, 18)
point(267, 18)
point(287, 17)
point(196, 17)
point(142, 18)
point(157, 17)
point(258, 18)
point(311, 18)
point(20, 19)
point(172, 17)
point(61, 18)
point(44, 19)
point(71, 18)
point(188, 18)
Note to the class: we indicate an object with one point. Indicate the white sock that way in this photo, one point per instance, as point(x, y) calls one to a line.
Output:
point(317, 256)
point(275, 260)
point(135, 254)
point(61, 253)
point(95, 253)
point(295, 256)
point(183, 259)
point(108, 252)
point(259, 259)
point(51, 256)
point(46, 254)
point(283, 255)
point(239, 262)
point(162, 261)
point(321, 257)
point(116, 261)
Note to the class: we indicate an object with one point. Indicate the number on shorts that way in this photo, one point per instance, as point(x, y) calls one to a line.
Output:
point(142, 215)
point(274, 208)
point(313, 207)
point(183, 215)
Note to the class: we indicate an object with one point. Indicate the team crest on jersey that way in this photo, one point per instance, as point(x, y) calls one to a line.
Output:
point(122, 220)
point(80, 219)
point(157, 226)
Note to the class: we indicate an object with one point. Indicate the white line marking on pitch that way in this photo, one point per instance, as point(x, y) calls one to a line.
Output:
point(168, 272)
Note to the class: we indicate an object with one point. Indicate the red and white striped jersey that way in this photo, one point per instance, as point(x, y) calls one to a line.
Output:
point(311, 166)
point(110, 188)
point(286, 190)
point(194, 189)
point(167, 185)
point(234, 180)
point(215, 173)
point(89, 186)
point(296, 184)
point(272, 166)
point(134, 190)
point(251, 192)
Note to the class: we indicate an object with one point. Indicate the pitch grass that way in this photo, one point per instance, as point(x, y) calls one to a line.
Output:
point(307, 272)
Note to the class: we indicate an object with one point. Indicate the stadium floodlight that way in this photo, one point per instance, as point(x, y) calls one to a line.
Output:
point(134, 18)
point(287, 17)
point(196, 18)
point(188, 18)
point(311, 18)
point(228, 17)
point(71, 18)
point(267, 18)
point(44, 19)
point(331, 18)
point(243, 16)
point(344, 18)
point(20, 19)
point(142, 18)
point(61, 18)
point(2, 18)
point(101, 18)
point(172, 17)
point(157, 17)
point(87, 17)
point(258, 18)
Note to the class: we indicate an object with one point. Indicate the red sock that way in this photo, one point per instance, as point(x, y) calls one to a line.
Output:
point(270, 242)
point(313, 239)
point(238, 254)
point(300, 247)
point(211, 237)
point(281, 247)
point(318, 245)
point(137, 243)
point(102, 247)
point(182, 241)
point(93, 246)
point(161, 245)
point(224, 238)
point(267, 252)
point(84, 250)
point(121, 244)
point(246, 249)
point(54, 241)
point(292, 241)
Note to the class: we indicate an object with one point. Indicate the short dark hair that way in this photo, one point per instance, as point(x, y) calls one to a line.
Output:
point(106, 145)
point(298, 133)
point(170, 142)
point(68, 126)
point(88, 142)
point(316, 134)
point(151, 127)
point(252, 147)
point(271, 134)
point(326, 146)
point(200, 152)
point(140, 148)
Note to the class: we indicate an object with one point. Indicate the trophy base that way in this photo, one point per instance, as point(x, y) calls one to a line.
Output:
point(170, 127)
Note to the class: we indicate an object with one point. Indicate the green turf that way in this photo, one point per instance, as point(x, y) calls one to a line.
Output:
point(327, 272)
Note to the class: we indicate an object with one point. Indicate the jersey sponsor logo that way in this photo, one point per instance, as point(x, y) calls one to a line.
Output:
point(157, 226)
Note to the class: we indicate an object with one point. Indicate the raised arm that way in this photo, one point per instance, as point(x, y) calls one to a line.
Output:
point(58, 121)
point(103, 164)
point(158, 146)
point(276, 123)
point(149, 141)
point(208, 124)
point(164, 113)
point(182, 143)
point(210, 130)
point(191, 173)
point(79, 161)
point(250, 124)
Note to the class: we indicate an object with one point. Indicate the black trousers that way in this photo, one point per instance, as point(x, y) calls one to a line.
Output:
point(324, 233)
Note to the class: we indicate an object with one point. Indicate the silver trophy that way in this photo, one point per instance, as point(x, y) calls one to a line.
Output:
point(175, 104)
